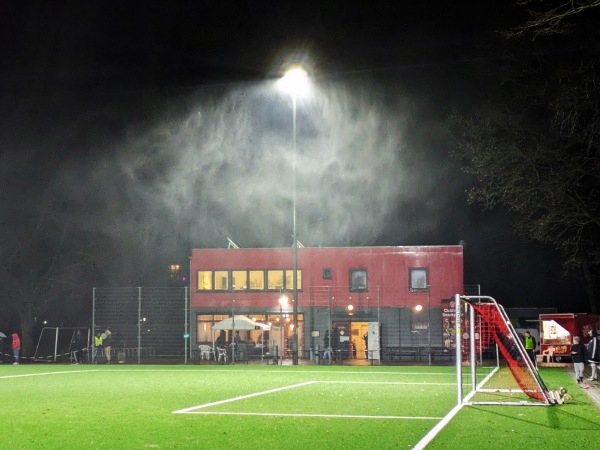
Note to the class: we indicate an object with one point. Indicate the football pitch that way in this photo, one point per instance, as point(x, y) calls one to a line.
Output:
point(235, 407)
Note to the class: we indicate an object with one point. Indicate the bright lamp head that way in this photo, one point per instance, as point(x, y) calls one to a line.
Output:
point(295, 82)
point(283, 301)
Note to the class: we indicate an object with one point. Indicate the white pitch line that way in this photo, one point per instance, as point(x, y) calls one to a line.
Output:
point(435, 430)
point(241, 397)
point(394, 383)
point(208, 369)
point(327, 416)
point(46, 373)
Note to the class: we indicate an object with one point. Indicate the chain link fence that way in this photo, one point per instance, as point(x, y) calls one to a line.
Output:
point(146, 324)
point(155, 325)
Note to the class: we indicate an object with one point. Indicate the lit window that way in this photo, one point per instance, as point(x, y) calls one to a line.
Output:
point(239, 278)
point(274, 279)
point(358, 280)
point(418, 278)
point(205, 280)
point(257, 280)
point(221, 280)
point(289, 277)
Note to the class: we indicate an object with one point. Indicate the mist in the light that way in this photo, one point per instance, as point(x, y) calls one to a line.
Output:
point(224, 168)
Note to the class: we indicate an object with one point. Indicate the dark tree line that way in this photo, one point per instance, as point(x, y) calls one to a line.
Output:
point(533, 143)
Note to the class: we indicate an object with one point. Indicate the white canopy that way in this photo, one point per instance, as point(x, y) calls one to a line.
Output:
point(240, 323)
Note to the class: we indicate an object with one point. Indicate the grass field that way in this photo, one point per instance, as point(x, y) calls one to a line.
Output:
point(241, 407)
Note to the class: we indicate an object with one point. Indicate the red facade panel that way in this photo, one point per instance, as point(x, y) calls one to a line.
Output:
point(387, 275)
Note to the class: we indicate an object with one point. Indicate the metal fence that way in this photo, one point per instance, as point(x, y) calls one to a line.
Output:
point(146, 324)
point(154, 325)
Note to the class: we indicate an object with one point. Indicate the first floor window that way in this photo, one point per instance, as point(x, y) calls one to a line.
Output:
point(358, 280)
point(239, 279)
point(205, 280)
point(221, 280)
point(257, 280)
point(418, 277)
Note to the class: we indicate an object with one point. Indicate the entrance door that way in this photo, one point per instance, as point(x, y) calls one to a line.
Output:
point(359, 331)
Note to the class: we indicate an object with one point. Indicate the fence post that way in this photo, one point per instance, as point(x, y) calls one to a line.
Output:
point(139, 336)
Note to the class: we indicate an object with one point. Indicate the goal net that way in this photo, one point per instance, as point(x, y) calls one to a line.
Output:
point(492, 364)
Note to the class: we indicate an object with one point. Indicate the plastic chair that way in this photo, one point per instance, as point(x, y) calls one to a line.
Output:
point(222, 354)
point(549, 352)
point(205, 351)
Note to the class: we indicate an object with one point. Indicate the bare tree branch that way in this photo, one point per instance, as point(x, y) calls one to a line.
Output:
point(548, 18)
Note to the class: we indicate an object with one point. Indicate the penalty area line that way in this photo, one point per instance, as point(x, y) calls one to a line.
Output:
point(241, 397)
point(326, 416)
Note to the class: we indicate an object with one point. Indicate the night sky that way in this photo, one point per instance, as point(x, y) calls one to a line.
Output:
point(146, 129)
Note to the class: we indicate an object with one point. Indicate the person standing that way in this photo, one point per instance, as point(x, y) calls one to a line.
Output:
point(237, 339)
point(352, 354)
point(106, 343)
point(366, 339)
point(16, 347)
point(530, 344)
point(221, 339)
point(328, 353)
point(593, 354)
point(97, 346)
point(77, 347)
point(578, 353)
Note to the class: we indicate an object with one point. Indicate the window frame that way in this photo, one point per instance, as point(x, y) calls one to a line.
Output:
point(352, 275)
point(413, 271)
point(250, 272)
point(275, 273)
point(200, 278)
point(289, 279)
point(227, 277)
point(237, 287)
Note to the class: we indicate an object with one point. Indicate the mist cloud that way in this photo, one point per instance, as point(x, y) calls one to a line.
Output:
point(224, 169)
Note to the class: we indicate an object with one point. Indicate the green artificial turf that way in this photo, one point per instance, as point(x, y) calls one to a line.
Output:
point(569, 426)
point(130, 407)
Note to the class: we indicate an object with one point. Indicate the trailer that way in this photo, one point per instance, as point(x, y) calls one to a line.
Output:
point(558, 330)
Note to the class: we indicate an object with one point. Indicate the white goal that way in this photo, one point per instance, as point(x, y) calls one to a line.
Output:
point(491, 362)
point(62, 344)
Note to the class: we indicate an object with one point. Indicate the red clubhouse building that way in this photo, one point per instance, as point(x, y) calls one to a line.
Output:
point(405, 291)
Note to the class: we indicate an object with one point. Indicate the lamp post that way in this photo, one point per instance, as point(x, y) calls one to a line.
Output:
point(233, 325)
point(429, 323)
point(295, 83)
point(350, 309)
point(283, 301)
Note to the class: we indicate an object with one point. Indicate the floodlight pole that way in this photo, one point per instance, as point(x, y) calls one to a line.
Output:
point(233, 325)
point(282, 300)
point(294, 238)
point(281, 331)
point(429, 323)
point(294, 79)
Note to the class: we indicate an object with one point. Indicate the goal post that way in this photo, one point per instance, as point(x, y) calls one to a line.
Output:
point(492, 365)
point(56, 344)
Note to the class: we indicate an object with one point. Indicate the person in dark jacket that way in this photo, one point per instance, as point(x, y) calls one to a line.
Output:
point(593, 354)
point(578, 355)
point(77, 345)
